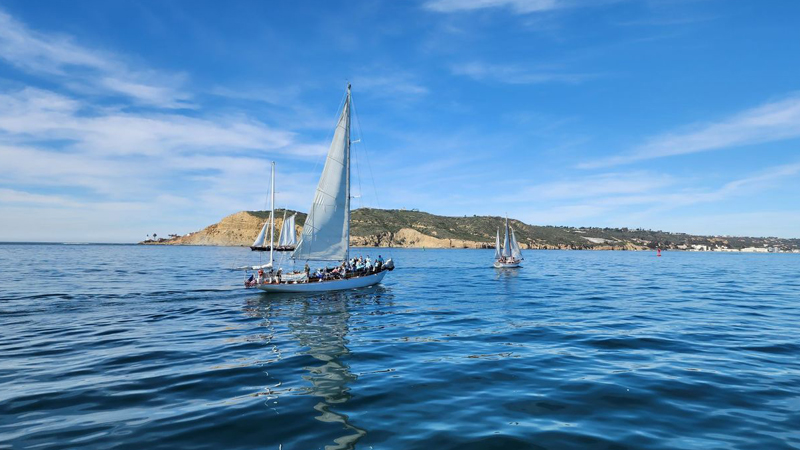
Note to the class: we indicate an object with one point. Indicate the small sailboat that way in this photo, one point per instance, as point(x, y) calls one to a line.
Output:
point(288, 236)
point(509, 255)
point(326, 231)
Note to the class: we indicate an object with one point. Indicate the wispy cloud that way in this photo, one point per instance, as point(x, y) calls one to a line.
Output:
point(78, 152)
point(397, 84)
point(642, 198)
point(16, 196)
point(85, 69)
point(518, 6)
point(515, 74)
point(515, 6)
point(775, 121)
point(603, 185)
point(38, 114)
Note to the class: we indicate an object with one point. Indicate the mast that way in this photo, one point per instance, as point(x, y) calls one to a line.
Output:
point(347, 177)
point(272, 216)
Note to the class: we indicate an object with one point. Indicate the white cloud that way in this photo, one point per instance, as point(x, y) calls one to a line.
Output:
point(514, 74)
point(775, 121)
point(602, 185)
point(39, 115)
point(636, 199)
point(85, 69)
point(397, 84)
point(15, 196)
point(96, 167)
point(519, 6)
point(516, 6)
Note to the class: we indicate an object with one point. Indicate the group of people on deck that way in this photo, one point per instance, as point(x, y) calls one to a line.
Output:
point(507, 259)
point(264, 277)
point(353, 267)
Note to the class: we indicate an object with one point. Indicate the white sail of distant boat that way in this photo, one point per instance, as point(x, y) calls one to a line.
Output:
point(510, 254)
point(326, 231)
point(497, 254)
point(516, 253)
point(288, 237)
point(259, 242)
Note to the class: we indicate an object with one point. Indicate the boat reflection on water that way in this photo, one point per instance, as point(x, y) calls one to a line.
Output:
point(506, 275)
point(318, 326)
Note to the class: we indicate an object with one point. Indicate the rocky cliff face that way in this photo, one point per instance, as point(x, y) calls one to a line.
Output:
point(410, 238)
point(238, 229)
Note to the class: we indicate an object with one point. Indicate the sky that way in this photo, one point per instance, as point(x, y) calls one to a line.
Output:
point(123, 119)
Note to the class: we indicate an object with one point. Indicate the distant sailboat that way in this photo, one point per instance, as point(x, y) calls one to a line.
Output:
point(326, 231)
point(260, 245)
point(288, 236)
point(509, 255)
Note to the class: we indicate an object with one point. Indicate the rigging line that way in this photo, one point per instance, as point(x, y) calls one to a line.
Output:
point(358, 169)
point(369, 166)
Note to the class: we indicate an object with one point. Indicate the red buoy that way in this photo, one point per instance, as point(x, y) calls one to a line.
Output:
point(659, 252)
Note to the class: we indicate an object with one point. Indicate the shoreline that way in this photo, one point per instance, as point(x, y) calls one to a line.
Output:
point(546, 248)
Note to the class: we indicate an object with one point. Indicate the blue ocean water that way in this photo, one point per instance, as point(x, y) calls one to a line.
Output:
point(131, 347)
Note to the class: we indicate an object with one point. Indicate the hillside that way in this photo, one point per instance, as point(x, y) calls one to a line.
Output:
point(402, 228)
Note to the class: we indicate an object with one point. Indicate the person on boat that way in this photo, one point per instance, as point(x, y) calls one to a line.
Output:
point(260, 278)
point(379, 262)
point(307, 269)
point(278, 275)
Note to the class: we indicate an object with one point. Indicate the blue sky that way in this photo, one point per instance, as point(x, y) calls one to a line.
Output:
point(120, 119)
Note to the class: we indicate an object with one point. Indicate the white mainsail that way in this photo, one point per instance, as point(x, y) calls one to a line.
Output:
point(516, 253)
point(288, 233)
point(497, 245)
point(326, 232)
point(506, 247)
point(259, 242)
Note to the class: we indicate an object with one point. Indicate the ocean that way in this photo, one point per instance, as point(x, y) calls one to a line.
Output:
point(133, 347)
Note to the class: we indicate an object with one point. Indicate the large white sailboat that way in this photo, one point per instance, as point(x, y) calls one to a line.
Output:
point(509, 255)
point(326, 231)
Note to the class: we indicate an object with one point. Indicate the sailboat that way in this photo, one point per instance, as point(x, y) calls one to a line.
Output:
point(509, 255)
point(288, 236)
point(326, 231)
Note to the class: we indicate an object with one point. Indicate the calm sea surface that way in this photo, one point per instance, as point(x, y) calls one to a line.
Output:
point(136, 347)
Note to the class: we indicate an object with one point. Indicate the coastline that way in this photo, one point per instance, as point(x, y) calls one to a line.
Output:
point(488, 247)
point(376, 228)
